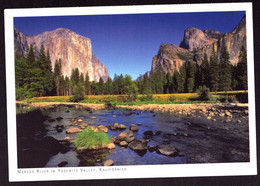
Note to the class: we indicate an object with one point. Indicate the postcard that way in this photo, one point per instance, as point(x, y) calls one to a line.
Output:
point(130, 92)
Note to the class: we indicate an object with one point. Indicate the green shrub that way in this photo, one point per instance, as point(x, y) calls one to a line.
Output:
point(147, 97)
point(172, 98)
point(78, 95)
point(204, 93)
point(89, 138)
point(132, 92)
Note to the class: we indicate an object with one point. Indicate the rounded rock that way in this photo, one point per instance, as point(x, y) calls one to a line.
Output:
point(108, 163)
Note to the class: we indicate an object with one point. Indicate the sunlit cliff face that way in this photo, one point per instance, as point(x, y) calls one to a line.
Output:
point(195, 43)
point(75, 51)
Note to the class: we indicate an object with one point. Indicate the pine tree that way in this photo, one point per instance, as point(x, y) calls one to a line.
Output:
point(191, 71)
point(21, 73)
point(109, 86)
point(66, 86)
point(94, 88)
point(169, 83)
point(140, 84)
point(214, 71)
point(159, 81)
point(120, 84)
point(30, 58)
point(48, 76)
point(18, 54)
point(175, 80)
point(87, 85)
point(225, 71)
point(242, 69)
point(115, 84)
point(44, 63)
point(235, 75)
point(182, 79)
point(205, 77)
point(34, 81)
point(57, 75)
point(101, 86)
point(146, 85)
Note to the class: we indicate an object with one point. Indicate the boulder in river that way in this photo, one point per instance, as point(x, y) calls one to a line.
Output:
point(111, 146)
point(133, 127)
point(167, 150)
point(73, 130)
point(128, 113)
point(83, 125)
point(138, 145)
point(121, 127)
point(152, 148)
point(59, 118)
point(51, 120)
point(123, 144)
point(148, 133)
point(102, 128)
point(128, 139)
point(125, 134)
point(116, 126)
point(62, 164)
point(108, 163)
point(79, 120)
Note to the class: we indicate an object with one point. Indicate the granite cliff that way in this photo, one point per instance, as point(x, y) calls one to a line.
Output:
point(74, 51)
point(195, 43)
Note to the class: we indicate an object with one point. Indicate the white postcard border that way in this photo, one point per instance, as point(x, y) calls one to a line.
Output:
point(131, 171)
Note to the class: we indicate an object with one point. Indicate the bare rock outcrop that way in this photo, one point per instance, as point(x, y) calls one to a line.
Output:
point(73, 49)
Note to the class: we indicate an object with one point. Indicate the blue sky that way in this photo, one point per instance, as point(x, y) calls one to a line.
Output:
point(127, 43)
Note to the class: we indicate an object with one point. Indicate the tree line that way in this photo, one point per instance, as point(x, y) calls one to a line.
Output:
point(34, 77)
point(214, 73)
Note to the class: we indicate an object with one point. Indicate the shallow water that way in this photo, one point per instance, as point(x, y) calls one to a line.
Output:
point(200, 141)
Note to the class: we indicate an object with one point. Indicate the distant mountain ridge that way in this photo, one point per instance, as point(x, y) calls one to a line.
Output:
point(73, 49)
point(195, 43)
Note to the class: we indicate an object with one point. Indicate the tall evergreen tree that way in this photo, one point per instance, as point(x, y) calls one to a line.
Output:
point(191, 71)
point(30, 58)
point(169, 83)
point(101, 86)
point(175, 80)
point(87, 85)
point(214, 71)
point(57, 75)
point(109, 86)
point(242, 69)
point(205, 77)
point(182, 79)
point(44, 63)
point(146, 85)
point(66, 86)
point(48, 75)
point(18, 54)
point(225, 71)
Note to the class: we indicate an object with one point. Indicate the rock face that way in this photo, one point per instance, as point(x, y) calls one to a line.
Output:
point(195, 43)
point(74, 51)
point(233, 41)
point(170, 58)
point(193, 39)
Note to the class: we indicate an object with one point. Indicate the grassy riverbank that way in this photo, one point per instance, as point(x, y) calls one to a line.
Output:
point(179, 98)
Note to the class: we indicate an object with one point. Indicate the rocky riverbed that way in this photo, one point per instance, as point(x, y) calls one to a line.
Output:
point(144, 134)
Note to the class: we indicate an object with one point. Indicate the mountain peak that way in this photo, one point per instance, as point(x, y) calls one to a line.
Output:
point(193, 38)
